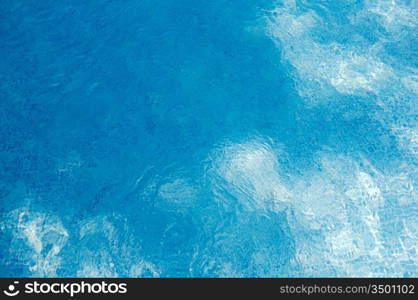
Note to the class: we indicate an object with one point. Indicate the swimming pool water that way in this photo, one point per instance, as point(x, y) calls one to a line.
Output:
point(216, 138)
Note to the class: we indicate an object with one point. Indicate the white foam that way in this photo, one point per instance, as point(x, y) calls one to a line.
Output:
point(407, 138)
point(251, 170)
point(142, 269)
point(395, 15)
point(44, 235)
point(343, 204)
point(324, 65)
point(320, 66)
point(335, 210)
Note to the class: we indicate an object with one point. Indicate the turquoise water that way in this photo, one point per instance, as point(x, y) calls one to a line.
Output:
point(185, 138)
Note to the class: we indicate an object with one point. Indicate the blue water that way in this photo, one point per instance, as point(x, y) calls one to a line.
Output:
point(218, 138)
